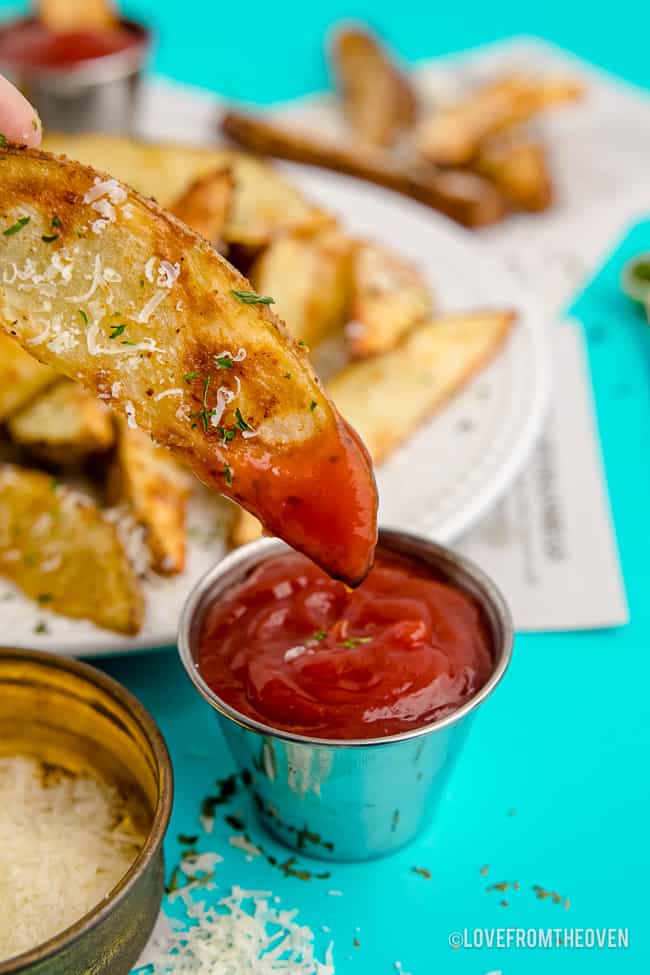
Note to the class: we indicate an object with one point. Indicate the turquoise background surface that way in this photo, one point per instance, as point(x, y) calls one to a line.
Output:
point(552, 788)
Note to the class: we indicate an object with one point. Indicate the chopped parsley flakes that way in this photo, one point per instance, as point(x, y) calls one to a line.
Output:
point(223, 361)
point(116, 330)
point(18, 225)
point(241, 422)
point(251, 298)
point(227, 473)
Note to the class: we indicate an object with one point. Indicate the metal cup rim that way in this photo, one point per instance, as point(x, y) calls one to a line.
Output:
point(249, 555)
point(160, 815)
point(98, 70)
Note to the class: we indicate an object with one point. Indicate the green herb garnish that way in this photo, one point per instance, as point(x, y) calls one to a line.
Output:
point(41, 627)
point(189, 376)
point(116, 330)
point(4, 141)
point(223, 361)
point(228, 433)
point(18, 225)
point(319, 635)
point(49, 238)
point(354, 641)
point(251, 298)
point(227, 473)
point(313, 405)
point(126, 342)
point(287, 375)
point(241, 422)
point(83, 316)
point(45, 597)
point(56, 222)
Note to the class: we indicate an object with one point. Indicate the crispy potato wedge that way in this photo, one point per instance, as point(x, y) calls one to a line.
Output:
point(451, 136)
point(21, 377)
point(310, 279)
point(463, 196)
point(404, 387)
point(63, 425)
point(378, 99)
point(244, 528)
point(71, 15)
point(205, 206)
point(263, 203)
point(137, 307)
point(58, 548)
point(146, 478)
point(518, 168)
point(389, 297)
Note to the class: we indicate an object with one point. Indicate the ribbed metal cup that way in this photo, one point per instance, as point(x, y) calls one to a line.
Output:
point(347, 800)
point(94, 95)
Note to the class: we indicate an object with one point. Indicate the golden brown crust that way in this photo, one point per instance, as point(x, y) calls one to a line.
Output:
point(22, 377)
point(59, 549)
point(206, 204)
point(378, 99)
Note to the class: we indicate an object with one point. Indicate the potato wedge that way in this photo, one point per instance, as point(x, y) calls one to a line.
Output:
point(378, 98)
point(130, 302)
point(71, 15)
point(263, 203)
point(517, 166)
point(145, 477)
point(389, 297)
point(63, 425)
point(404, 387)
point(451, 136)
point(21, 377)
point(58, 548)
point(310, 279)
point(205, 206)
point(244, 528)
point(465, 197)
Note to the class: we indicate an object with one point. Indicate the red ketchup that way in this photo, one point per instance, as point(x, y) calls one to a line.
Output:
point(296, 650)
point(32, 44)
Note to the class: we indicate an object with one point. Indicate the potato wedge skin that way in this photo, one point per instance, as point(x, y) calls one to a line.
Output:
point(205, 205)
point(142, 476)
point(451, 135)
point(378, 98)
point(310, 279)
point(171, 343)
point(21, 377)
point(463, 196)
point(263, 203)
point(389, 298)
point(59, 549)
point(63, 425)
point(402, 388)
point(518, 168)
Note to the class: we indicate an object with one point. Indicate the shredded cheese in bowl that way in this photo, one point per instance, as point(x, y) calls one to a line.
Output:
point(65, 842)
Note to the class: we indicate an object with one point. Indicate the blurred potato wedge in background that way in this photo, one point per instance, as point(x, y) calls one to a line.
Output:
point(205, 205)
point(263, 202)
point(405, 386)
point(63, 425)
point(58, 548)
point(244, 528)
point(76, 15)
point(377, 97)
point(389, 297)
point(21, 376)
point(145, 478)
point(463, 196)
point(310, 280)
point(146, 313)
point(451, 135)
point(518, 168)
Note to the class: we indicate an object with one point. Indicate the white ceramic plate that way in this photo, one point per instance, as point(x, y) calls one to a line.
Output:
point(439, 483)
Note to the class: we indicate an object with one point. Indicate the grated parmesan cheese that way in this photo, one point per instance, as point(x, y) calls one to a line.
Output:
point(243, 935)
point(65, 842)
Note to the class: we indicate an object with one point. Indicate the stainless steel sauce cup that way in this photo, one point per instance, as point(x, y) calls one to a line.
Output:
point(347, 800)
point(94, 95)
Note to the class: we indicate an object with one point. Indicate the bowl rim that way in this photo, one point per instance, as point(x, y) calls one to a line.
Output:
point(449, 561)
point(161, 814)
point(97, 70)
